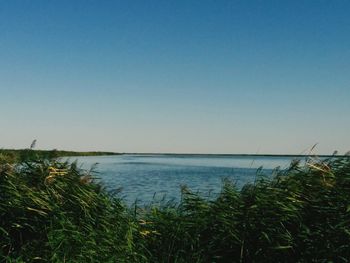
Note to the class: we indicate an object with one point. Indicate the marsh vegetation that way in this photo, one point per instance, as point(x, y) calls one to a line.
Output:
point(54, 211)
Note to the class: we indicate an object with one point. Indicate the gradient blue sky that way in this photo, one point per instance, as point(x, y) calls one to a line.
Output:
point(175, 76)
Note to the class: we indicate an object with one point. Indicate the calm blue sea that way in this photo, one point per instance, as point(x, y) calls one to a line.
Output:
point(150, 178)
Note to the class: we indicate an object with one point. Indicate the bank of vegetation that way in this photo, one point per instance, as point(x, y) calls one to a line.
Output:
point(21, 155)
point(54, 212)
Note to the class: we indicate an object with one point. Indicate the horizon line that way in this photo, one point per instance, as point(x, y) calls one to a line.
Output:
point(335, 154)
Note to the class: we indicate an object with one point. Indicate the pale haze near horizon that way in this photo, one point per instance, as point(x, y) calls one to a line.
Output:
point(181, 76)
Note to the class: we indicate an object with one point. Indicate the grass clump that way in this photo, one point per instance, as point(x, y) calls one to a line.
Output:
point(302, 214)
point(55, 212)
point(52, 212)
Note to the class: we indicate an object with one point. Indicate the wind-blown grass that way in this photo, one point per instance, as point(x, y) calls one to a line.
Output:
point(54, 212)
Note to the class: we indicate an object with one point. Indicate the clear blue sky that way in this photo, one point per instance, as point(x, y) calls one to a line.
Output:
point(176, 76)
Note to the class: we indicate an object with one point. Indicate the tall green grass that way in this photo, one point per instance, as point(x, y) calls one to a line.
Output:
point(49, 216)
point(55, 212)
point(301, 215)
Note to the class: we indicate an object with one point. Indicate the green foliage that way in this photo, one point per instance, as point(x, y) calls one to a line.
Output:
point(54, 212)
point(301, 215)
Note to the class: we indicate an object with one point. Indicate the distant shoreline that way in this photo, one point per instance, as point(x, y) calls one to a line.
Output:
point(65, 153)
point(237, 155)
point(33, 153)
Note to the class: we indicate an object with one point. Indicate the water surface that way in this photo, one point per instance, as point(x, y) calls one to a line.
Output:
point(149, 178)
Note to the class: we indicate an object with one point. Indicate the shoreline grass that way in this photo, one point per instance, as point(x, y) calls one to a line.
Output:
point(55, 212)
